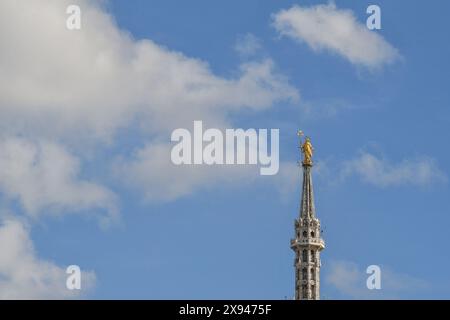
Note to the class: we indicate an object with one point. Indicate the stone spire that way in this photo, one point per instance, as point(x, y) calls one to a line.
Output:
point(307, 209)
point(307, 243)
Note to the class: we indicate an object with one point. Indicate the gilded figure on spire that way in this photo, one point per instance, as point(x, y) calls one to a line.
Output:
point(307, 149)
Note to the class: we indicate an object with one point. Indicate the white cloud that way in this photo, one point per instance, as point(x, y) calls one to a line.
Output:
point(380, 172)
point(325, 27)
point(43, 177)
point(350, 281)
point(95, 80)
point(151, 171)
point(82, 86)
point(25, 276)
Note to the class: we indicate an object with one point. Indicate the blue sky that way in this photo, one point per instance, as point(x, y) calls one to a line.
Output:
point(380, 135)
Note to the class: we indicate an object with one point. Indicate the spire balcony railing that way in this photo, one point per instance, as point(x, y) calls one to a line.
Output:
point(319, 242)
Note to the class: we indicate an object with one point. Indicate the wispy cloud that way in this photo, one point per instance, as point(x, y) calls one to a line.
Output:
point(378, 171)
point(247, 45)
point(325, 27)
point(349, 280)
point(149, 171)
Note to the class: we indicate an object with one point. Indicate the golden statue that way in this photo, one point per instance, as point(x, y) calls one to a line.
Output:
point(307, 149)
